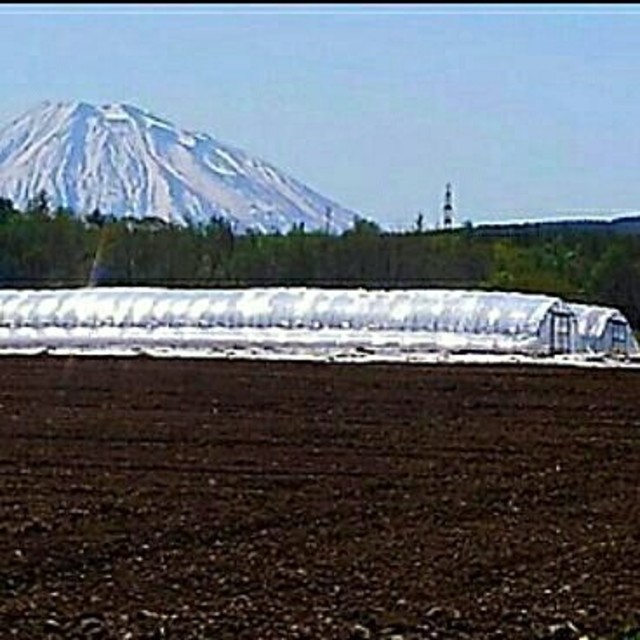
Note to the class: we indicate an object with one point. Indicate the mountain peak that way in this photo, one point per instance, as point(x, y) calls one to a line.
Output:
point(125, 161)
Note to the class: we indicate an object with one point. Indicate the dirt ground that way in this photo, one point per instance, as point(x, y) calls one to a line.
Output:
point(146, 498)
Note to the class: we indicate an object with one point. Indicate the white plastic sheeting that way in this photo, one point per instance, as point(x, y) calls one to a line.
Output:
point(427, 320)
point(603, 330)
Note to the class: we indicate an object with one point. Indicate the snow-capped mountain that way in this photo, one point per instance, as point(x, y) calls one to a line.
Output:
point(125, 161)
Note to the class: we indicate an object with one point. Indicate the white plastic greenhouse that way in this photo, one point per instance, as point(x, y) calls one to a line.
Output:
point(603, 330)
point(305, 318)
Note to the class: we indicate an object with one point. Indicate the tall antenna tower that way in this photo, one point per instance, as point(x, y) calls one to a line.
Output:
point(447, 209)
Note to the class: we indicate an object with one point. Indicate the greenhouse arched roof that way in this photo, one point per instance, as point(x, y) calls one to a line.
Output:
point(407, 310)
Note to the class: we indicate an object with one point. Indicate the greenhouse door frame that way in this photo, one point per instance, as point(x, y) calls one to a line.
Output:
point(618, 336)
point(560, 332)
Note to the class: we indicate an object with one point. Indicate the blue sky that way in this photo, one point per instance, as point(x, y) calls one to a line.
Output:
point(527, 109)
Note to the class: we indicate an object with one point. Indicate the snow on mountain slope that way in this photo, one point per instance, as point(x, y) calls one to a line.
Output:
point(125, 161)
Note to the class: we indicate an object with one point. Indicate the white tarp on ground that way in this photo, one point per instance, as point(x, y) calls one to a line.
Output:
point(293, 319)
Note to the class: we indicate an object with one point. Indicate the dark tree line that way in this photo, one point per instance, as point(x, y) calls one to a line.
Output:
point(45, 247)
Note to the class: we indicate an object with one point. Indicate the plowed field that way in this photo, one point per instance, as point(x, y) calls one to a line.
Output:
point(146, 498)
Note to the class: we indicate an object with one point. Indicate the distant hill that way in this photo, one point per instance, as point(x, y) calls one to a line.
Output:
point(621, 225)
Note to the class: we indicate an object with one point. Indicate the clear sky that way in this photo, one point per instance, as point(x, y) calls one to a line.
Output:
point(527, 109)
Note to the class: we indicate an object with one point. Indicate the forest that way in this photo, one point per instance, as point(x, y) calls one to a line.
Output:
point(42, 246)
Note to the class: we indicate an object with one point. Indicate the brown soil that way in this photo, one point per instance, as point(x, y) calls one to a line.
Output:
point(148, 498)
